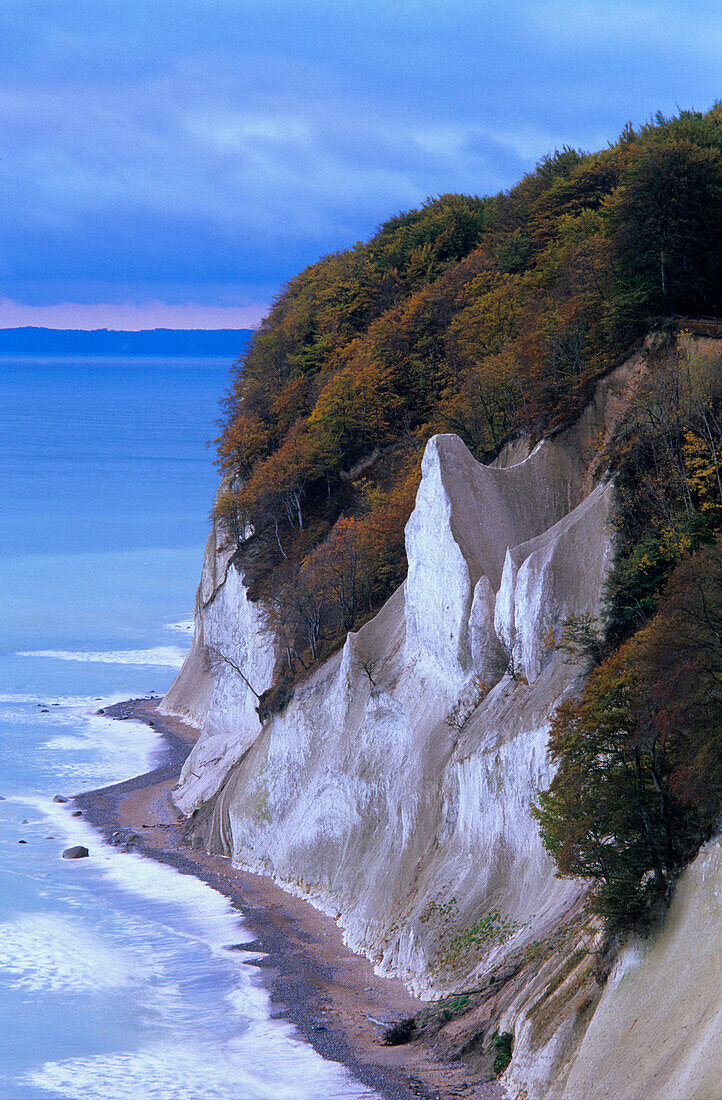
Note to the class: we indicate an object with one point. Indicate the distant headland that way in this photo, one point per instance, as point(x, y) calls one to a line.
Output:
point(158, 341)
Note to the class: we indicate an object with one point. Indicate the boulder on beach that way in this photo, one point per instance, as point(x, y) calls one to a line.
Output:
point(76, 852)
point(60, 798)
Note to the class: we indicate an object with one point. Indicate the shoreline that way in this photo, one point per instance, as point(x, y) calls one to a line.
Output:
point(331, 995)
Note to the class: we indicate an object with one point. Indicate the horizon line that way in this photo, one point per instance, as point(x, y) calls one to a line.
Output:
point(157, 328)
point(129, 316)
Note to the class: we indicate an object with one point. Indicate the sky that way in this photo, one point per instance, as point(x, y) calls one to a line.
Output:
point(174, 163)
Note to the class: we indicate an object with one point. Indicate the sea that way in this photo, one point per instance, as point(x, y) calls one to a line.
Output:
point(116, 978)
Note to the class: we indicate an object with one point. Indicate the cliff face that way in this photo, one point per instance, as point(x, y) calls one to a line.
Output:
point(658, 1029)
point(209, 693)
point(394, 790)
point(376, 793)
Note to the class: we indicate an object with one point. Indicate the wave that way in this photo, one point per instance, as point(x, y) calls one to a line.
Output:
point(110, 758)
point(191, 1070)
point(81, 748)
point(213, 917)
point(164, 656)
point(257, 1058)
point(52, 952)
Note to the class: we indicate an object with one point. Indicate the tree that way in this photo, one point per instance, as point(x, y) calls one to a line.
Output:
point(244, 442)
point(639, 781)
point(273, 496)
point(355, 410)
point(341, 566)
point(218, 658)
point(666, 218)
point(298, 613)
point(684, 644)
point(482, 409)
point(667, 459)
point(601, 818)
point(227, 511)
point(582, 638)
point(484, 395)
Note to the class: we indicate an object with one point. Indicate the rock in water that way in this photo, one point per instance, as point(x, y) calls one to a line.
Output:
point(76, 852)
point(60, 798)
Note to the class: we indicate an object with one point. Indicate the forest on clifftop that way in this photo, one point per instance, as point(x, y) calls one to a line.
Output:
point(486, 316)
point(473, 315)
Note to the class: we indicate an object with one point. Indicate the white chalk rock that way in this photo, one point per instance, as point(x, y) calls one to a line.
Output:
point(553, 576)
point(487, 653)
point(438, 586)
point(392, 779)
point(210, 692)
point(658, 1029)
point(505, 607)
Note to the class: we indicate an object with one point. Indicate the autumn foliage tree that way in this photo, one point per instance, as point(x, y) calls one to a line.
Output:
point(638, 785)
point(339, 581)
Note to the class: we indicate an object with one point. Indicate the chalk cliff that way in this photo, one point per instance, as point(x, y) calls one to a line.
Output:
point(394, 790)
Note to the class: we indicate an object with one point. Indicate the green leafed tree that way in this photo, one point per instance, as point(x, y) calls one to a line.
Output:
point(638, 785)
point(666, 217)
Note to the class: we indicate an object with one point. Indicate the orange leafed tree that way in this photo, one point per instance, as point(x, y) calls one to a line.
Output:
point(244, 443)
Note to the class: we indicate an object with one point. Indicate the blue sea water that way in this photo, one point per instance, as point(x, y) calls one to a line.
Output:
point(115, 978)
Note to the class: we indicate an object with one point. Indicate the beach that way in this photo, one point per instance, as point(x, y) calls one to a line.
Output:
point(332, 995)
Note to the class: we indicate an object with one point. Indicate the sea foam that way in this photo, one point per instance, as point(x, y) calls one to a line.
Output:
point(95, 752)
point(163, 656)
point(260, 1059)
point(193, 1071)
point(53, 952)
point(211, 915)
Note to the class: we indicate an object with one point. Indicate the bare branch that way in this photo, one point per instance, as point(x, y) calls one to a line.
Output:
point(218, 656)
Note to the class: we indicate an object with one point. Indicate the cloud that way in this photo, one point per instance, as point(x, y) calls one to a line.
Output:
point(194, 151)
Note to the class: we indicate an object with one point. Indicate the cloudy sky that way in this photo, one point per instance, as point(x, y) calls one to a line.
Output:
point(174, 162)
